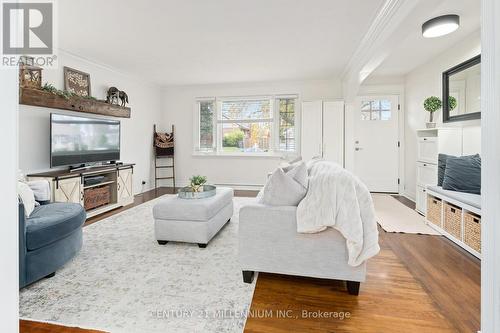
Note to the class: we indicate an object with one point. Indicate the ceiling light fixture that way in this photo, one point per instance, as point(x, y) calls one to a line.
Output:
point(440, 26)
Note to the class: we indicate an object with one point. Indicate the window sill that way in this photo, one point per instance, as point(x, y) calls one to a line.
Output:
point(275, 155)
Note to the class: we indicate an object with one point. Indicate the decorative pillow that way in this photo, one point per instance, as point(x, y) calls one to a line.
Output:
point(299, 173)
point(442, 158)
point(27, 197)
point(291, 164)
point(282, 190)
point(463, 174)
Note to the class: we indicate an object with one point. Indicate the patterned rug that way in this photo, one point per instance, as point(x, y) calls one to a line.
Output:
point(123, 281)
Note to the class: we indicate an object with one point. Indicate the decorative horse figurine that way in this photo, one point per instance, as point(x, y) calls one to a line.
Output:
point(123, 97)
point(112, 96)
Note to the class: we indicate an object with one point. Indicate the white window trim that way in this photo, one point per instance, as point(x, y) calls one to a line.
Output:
point(218, 121)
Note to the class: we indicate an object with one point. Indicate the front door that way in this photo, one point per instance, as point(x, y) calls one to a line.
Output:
point(376, 142)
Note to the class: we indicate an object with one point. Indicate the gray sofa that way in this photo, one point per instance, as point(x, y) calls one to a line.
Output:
point(48, 238)
point(269, 242)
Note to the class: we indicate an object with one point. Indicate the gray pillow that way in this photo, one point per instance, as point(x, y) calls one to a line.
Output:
point(442, 158)
point(463, 174)
point(299, 173)
point(282, 190)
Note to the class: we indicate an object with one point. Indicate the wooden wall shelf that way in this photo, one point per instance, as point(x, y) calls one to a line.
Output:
point(36, 97)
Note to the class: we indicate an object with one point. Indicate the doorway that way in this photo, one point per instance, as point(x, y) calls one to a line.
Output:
point(376, 142)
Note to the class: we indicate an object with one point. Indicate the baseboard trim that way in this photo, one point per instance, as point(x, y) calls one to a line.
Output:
point(409, 197)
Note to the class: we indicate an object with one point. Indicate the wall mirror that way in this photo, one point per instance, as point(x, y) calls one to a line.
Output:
point(462, 91)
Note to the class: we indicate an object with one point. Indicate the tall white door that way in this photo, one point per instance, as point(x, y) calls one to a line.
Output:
point(311, 130)
point(333, 131)
point(376, 142)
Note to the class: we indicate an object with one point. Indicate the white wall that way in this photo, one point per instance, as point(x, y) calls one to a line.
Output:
point(9, 248)
point(243, 171)
point(426, 81)
point(136, 132)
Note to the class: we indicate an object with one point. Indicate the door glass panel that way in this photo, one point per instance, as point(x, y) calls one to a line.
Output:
point(376, 109)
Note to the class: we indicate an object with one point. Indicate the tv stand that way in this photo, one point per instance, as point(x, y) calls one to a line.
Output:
point(78, 168)
point(114, 189)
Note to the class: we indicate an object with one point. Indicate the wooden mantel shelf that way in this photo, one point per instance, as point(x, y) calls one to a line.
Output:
point(36, 97)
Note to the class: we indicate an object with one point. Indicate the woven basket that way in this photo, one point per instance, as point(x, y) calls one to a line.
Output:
point(96, 197)
point(453, 220)
point(472, 231)
point(434, 210)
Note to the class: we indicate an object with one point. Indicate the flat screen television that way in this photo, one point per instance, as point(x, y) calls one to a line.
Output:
point(76, 140)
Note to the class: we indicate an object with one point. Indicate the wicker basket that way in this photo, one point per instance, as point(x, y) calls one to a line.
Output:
point(453, 220)
point(96, 197)
point(472, 231)
point(434, 210)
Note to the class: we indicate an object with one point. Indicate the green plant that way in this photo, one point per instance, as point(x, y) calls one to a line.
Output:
point(197, 182)
point(64, 93)
point(431, 105)
point(452, 103)
point(233, 139)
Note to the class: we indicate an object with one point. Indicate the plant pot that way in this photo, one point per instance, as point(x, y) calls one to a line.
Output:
point(430, 125)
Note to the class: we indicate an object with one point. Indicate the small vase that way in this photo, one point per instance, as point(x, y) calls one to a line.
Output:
point(430, 125)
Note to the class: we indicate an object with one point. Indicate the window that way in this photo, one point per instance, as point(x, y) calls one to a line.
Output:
point(206, 126)
point(376, 110)
point(247, 125)
point(286, 107)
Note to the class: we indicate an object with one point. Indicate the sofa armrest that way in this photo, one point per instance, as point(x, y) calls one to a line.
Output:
point(259, 219)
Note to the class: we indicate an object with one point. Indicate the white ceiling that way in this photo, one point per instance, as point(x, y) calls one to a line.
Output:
point(414, 50)
point(179, 42)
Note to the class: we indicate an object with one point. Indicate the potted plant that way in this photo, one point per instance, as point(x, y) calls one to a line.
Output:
point(431, 105)
point(197, 183)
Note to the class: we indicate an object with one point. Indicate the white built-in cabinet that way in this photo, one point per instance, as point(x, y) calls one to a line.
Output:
point(430, 143)
point(322, 130)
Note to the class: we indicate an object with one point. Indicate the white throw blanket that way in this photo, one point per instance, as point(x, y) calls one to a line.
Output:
point(338, 199)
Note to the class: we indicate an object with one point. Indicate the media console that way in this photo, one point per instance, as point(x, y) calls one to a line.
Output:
point(98, 189)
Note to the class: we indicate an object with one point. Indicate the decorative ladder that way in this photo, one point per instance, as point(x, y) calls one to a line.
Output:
point(164, 153)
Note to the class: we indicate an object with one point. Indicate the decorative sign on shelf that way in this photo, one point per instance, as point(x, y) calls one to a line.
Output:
point(30, 76)
point(77, 82)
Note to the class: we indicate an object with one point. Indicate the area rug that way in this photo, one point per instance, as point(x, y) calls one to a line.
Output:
point(123, 281)
point(394, 216)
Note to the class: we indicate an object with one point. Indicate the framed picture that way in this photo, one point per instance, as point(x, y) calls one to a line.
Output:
point(77, 82)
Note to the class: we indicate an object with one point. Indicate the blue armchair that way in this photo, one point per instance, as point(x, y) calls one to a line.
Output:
point(48, 238)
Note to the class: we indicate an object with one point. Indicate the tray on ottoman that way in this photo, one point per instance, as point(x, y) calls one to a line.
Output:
point(192, 221)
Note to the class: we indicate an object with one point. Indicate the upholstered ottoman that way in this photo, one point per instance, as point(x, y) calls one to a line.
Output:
point(192, 220)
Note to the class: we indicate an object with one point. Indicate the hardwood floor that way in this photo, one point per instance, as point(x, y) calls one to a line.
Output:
point(417, 283)
point(38, 327)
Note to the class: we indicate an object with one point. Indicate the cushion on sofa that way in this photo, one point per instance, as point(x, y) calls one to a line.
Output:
point(299, 173)
point(52, 222)
point(283, 189)
point(463, 174)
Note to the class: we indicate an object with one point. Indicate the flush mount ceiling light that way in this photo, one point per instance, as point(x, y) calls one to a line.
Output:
point(440, 26)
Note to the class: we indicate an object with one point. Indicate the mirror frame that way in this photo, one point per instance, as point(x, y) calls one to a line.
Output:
point(446, 91)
